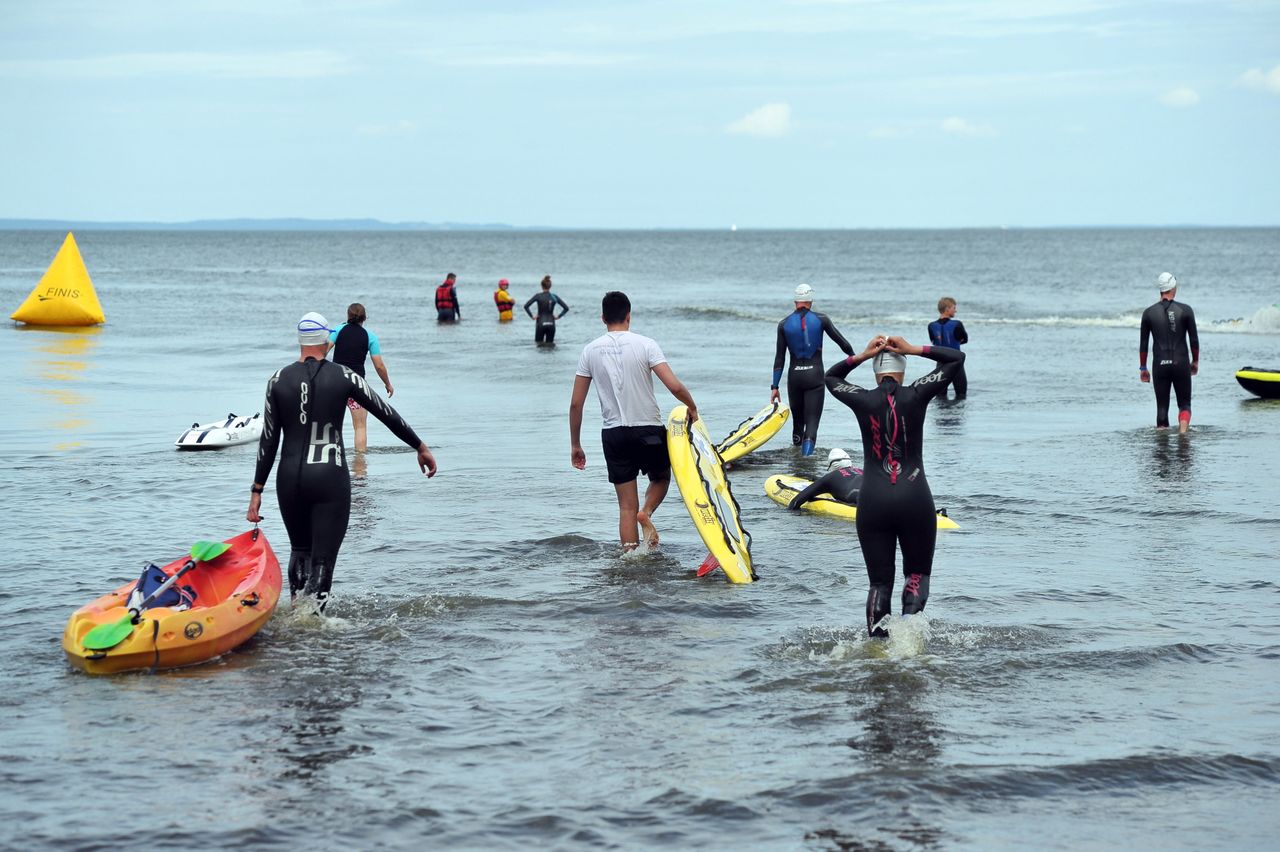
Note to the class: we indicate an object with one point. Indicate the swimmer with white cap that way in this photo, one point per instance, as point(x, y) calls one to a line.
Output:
point(895, 504)
point(305, 408)
point(1171, 325)
point(842, 481)
point(800, 334)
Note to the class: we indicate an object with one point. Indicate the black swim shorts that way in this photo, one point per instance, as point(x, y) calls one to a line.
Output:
point(632, 450)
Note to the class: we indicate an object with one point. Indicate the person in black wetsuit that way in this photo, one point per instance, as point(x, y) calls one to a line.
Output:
point(1172, 325)
point(800, 333)
point(895, 504)
point(545, 328)
point(350, 343)
point(447, 307)
point(305, 404)
point(842, 481)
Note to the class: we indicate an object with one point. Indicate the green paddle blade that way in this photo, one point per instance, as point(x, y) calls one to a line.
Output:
point(203, 551)
point(106, 636)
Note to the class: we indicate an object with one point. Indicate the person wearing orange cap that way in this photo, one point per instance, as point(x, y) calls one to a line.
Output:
point(503, 300)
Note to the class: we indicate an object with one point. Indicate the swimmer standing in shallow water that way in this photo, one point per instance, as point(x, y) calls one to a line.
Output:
point(305, 406)
point(895, 503)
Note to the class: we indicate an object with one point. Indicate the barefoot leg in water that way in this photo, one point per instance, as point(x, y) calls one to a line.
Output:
point(653, 496)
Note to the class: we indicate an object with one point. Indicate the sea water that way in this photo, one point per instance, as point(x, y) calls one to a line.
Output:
point(1097, 666)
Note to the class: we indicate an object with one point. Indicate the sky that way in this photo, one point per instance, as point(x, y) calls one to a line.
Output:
point(644, 114)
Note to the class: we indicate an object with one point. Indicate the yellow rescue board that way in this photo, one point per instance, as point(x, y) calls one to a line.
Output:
point(699, 473)
point(753, 432)
point(782, 489)
point(65, 295)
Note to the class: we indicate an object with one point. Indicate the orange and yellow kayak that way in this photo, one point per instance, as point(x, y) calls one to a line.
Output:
point(235, 594)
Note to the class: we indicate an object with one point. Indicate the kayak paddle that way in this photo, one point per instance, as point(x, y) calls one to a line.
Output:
point(106, 636)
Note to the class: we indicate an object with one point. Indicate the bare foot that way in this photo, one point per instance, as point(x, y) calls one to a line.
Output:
point(647, 528)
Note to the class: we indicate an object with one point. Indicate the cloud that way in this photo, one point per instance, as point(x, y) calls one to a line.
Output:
point(770, 120)
point(961, 127)
point(1181, 97)
point(298, 64)
point(1265, 81)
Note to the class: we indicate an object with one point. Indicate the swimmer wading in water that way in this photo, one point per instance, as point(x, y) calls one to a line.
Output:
point(305, 405)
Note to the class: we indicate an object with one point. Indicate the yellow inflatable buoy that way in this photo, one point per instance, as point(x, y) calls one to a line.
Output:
point(64, 295)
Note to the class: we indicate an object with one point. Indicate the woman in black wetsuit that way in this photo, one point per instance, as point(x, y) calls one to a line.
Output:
point(895, 505)
point(306, 402)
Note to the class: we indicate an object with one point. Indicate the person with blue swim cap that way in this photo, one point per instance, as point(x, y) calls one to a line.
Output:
point(800, 333)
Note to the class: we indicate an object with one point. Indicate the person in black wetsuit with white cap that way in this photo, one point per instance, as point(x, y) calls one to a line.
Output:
point(800, 333)
point(842, 481)
point(306, 402)
point(895, 504)
point(1172, 325)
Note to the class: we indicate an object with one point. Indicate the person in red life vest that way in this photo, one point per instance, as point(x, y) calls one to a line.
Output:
point(503, 300)
point(447, 308)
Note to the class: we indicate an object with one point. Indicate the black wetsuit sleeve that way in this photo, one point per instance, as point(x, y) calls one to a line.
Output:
point(962, 336)
point(563, 305)
point(830, 328)
point(949, 363)
point(780, 356)
point(1144, 332)
point(532, 299)
point(819, 486)
point(269, 442)
point(360, 391)
point(1192, 337)
point(846, 392)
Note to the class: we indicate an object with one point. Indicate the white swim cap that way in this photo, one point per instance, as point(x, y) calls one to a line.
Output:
point(888, 362)
point(838, 458)
point(804, 293)
point(1166, 282)
point(313, 330)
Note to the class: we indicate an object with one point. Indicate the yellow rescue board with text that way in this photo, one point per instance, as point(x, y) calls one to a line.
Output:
point(752, 433)
point(699, 473)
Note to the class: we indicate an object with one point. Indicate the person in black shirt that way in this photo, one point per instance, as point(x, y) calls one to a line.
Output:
point(1172, 325)
point(350, 343)
point(305, 404)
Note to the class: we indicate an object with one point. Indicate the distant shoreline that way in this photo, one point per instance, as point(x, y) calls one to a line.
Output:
point(377, 225)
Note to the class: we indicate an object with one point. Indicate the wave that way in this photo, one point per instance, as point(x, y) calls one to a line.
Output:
point(1265, 320)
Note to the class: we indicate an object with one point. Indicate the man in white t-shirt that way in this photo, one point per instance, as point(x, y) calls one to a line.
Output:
point(622, 364)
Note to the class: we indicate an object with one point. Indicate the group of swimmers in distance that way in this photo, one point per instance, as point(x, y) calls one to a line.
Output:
point(307, 400)
point(448, 309)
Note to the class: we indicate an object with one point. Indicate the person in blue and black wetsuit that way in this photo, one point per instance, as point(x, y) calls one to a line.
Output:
point(801, 335)
point(350, 343)
point(949, 332)
point(895, 503)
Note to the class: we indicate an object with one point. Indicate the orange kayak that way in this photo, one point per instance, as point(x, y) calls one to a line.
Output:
point(235, 594)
